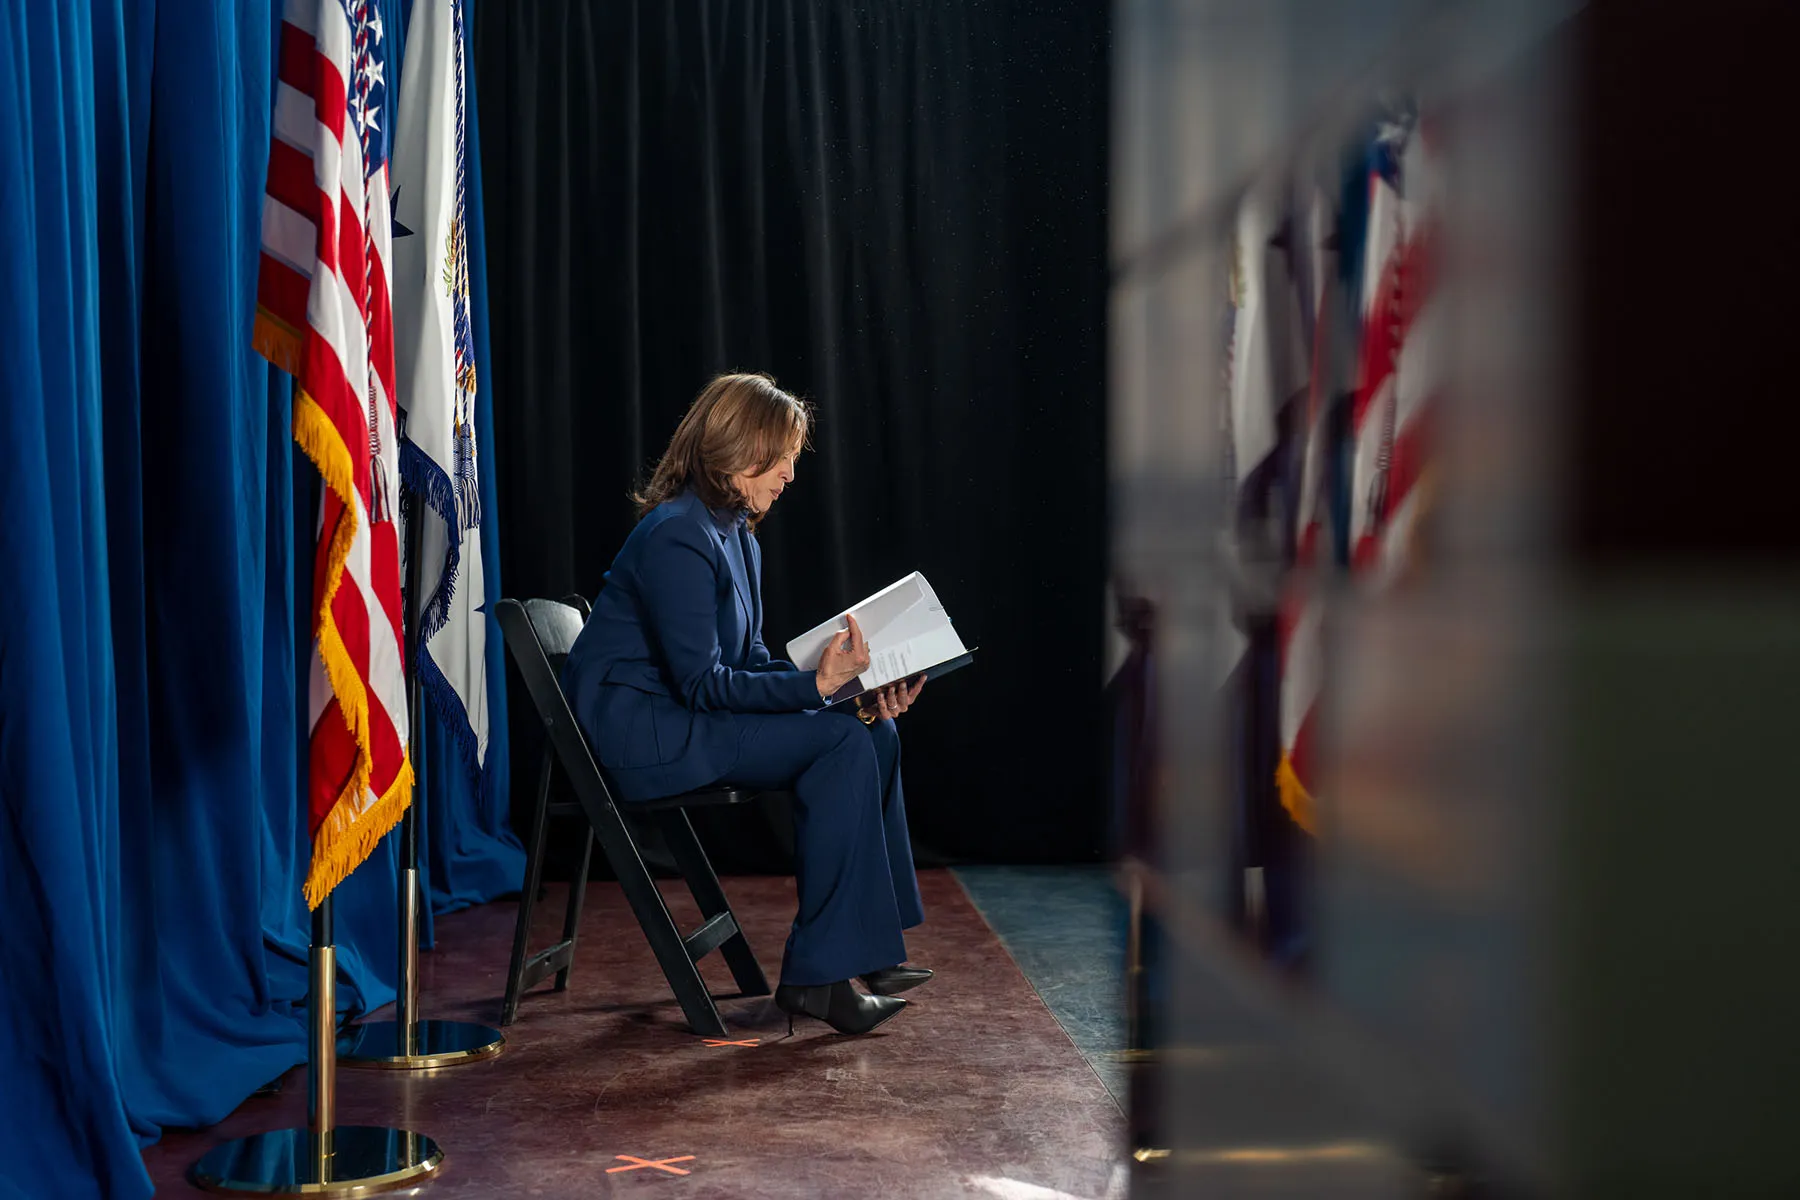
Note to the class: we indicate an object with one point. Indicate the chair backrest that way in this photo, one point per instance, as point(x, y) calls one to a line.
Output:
point(536, 632)
point(557, 623)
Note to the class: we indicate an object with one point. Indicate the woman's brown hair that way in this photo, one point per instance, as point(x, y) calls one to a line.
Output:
point(738, 423)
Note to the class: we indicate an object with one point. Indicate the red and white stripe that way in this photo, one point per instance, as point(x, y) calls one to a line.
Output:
point(324, 313)
point(1399, 376)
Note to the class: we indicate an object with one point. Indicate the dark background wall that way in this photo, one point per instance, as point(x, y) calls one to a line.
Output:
point(898, 209)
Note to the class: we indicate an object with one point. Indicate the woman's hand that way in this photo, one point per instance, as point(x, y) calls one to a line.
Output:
point(888, 702)
point(846, 657)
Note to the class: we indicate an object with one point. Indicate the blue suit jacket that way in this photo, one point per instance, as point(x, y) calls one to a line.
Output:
point(673, 649)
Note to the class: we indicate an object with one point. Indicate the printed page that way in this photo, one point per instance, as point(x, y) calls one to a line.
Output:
point(908, 658)
point(875, 614)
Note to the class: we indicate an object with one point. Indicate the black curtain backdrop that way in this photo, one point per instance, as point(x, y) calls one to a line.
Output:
point(898, 209)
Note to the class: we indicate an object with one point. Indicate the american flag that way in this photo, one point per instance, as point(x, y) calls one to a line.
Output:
point(324, 315)
point(1397, 378)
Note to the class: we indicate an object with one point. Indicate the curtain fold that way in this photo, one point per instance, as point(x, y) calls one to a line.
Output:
point(155, 523)
point(203, 684)
point(59, 794)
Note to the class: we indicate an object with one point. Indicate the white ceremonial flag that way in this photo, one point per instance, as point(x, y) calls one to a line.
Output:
point(435, 351)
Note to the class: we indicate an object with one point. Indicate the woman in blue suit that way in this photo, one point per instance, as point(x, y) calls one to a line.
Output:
point(676, 690)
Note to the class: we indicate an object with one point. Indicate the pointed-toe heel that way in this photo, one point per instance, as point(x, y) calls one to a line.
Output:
point(891, 981)
point(839, 1005)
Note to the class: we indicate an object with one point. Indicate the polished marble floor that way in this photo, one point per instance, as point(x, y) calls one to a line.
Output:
point(975, 1090)
point(1065, 927)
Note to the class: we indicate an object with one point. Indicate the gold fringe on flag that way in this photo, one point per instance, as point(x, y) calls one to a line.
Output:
point(1294, 796)
point(343, 841)
point(348, 837)
point(319, 438)
point(277, 341)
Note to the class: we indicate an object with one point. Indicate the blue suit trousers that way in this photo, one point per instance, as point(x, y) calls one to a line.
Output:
point(854, 867)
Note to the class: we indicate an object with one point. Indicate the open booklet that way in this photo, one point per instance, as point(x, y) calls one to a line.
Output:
point(908, 633)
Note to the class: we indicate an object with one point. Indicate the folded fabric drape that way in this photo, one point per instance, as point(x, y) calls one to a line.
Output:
point(152, 640)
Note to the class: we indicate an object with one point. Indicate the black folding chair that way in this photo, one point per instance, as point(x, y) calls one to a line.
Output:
point(525, 973)
point(540, 633)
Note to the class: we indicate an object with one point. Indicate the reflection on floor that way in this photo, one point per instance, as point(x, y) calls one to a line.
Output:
point(1065, 927)
point(973, 1091)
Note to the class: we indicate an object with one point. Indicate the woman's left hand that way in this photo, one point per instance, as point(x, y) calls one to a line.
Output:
point(888, 702)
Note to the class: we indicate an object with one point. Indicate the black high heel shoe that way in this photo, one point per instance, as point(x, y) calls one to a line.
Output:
point(837, 1004)
point(891, 981)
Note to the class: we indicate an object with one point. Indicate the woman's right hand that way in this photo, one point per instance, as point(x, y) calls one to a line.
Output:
point(846, 657)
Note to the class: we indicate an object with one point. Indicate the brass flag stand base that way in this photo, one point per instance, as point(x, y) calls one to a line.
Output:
point(322, 1159)
point(434, 1044)
point(407, 1043)
point(358, 1160)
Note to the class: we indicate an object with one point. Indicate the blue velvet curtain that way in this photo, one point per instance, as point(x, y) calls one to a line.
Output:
point(155, 526)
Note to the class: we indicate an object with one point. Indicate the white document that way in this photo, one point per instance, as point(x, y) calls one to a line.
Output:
point(905, 626)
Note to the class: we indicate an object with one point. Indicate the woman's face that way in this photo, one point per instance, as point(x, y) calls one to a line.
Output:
point(761, 491)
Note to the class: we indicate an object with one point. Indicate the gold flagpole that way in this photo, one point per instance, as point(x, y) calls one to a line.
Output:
point(406, 1043)
point(323, 1158)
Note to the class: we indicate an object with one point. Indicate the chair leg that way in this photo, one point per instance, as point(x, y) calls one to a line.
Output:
point(572, 915)
point(653, 917)
point(528, 895)
point(696, 868)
